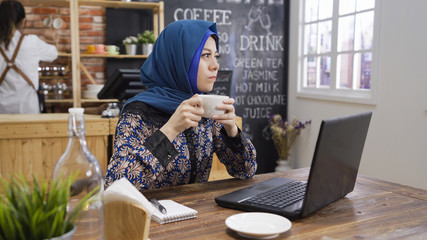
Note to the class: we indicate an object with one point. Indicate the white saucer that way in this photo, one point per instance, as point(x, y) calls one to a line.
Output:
point(258, 225)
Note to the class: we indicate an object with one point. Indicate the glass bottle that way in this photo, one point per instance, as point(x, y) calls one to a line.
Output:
point(77, 159)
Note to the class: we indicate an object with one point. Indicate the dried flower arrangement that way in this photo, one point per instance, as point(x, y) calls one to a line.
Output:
point(284, 134)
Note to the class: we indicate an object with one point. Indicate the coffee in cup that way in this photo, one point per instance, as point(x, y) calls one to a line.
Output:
point(210, 103)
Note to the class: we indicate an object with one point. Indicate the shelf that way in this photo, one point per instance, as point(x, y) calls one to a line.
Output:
point(63, 54)
point(121, 4)
point(87, 55)
point(98, 100)
point(120, 56)
point(53, 77)
point(112, 56)
point(59, 100)
point(46, 3)
point(83, 100)
point(77, 67)
point(101, 3)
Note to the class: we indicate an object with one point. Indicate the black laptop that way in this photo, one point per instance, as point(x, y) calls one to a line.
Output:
point(332, 175)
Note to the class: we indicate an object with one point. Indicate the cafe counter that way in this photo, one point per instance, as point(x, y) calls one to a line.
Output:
point(31, 144)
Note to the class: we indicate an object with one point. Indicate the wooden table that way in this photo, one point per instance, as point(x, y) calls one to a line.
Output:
point(374, 210)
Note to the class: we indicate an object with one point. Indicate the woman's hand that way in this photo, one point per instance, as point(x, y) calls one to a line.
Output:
point(188, 114)
point(228, 119)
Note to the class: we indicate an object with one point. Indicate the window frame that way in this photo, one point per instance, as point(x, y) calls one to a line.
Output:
point(362, 96)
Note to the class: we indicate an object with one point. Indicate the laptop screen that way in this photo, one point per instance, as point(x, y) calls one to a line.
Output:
point(336, 160)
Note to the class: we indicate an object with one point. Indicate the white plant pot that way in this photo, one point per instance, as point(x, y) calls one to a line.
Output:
point(65, 236)
point(131, 49)
point(283, 166)
point(147, 49)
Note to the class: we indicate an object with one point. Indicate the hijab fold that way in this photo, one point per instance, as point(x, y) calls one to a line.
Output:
point(164, 73)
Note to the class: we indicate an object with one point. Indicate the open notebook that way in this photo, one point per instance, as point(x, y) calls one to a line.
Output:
point(123, 190)
point(175, 212)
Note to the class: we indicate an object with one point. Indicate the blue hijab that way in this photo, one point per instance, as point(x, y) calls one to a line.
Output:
point(165, 72)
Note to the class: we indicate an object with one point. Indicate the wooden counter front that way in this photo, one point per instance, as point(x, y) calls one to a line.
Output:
point(31, 144)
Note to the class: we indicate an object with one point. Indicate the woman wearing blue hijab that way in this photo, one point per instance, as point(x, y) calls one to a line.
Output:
point(161, 138)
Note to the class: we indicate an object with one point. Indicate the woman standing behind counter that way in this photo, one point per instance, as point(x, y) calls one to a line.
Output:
point(161, 138)
point(19, 61)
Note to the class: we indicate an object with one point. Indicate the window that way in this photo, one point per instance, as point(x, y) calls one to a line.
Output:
point(338, 50)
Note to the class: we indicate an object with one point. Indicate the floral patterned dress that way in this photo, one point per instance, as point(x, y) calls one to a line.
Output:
point(145, 156)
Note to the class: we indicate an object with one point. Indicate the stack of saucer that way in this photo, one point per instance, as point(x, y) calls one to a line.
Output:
point(92, 91)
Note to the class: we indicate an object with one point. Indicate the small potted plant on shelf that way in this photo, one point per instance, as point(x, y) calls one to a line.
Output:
point(147, 40)
point(30, 210)
point(130, 43)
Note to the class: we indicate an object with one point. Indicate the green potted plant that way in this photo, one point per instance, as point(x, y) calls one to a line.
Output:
point(30, 210)
point(147, 39)
point(130, 43)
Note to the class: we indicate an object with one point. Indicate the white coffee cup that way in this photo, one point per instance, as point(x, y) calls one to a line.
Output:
point(58, 23)
point(94, 87)
point(209, 104)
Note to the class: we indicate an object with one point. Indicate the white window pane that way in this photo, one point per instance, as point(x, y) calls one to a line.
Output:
point(311, 7)
point(345, 71)
point(356, 72)
point(325, 36)
point(365, 4)
point(346, 33)
point(364, 33)
point(325, 71)
point(310, 39)
point(325, 9)
point(347, 6)
point(310, 67)
point(362, 66)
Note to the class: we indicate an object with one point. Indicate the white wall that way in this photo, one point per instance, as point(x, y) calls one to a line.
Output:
point(396, 146)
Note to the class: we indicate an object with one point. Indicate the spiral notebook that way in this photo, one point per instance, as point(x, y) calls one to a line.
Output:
point(175, 212)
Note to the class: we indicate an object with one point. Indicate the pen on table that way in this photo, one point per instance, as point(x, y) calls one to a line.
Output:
point(158, 205)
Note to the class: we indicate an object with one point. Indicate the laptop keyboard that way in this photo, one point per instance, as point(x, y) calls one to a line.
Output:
point(280, 197)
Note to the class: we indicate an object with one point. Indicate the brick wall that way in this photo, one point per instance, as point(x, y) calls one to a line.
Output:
point(92, 31)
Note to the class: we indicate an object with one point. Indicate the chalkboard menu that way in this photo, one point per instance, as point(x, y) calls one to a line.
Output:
point(253, 44)
point(222, 85)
